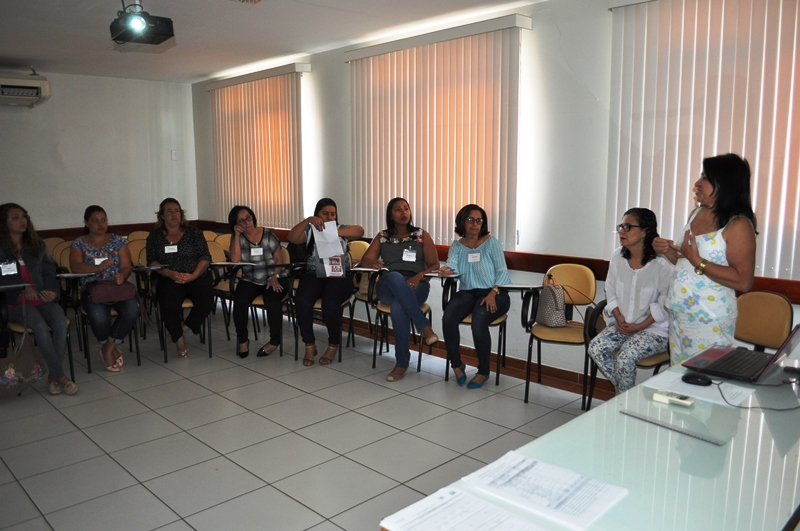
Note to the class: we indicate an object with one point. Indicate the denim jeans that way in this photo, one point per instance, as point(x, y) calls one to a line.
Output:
point(100, 318)
point(333, 292)
point(393, 289)
point(462, 304)
point(49, 325)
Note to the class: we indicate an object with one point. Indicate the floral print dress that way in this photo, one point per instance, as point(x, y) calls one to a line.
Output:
point(703, 312)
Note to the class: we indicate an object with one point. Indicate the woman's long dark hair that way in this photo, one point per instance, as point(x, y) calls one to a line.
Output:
point(30, 239)
point(461, 220)
point(322, 203)
point(91, 209)
point(729, 176)
point(390, 222)
point(646, 219)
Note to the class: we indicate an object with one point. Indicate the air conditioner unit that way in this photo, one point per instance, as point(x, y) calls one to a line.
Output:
point(25, 91)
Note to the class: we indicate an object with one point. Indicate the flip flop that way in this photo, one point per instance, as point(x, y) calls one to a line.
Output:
point(110, 368)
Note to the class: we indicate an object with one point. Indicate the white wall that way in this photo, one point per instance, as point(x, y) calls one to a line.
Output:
point(99, 140)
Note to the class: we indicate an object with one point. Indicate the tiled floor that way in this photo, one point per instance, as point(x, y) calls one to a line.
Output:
point(258, 443)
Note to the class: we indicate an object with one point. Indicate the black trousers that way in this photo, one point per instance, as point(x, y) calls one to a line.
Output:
point(170, 298)
point(243, 297)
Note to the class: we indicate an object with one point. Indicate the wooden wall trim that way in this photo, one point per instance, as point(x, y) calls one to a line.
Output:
point(533, 262)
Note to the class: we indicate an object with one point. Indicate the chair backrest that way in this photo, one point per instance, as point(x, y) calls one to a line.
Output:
point(57, 248)
point(217, 252)
point(594, 322)
point(138, 235)
point(357, 250)
point(135, 247)
point(578, 282)
point(142, 256)
point(224, 240)
point(50, 243)
point(765, 319)
point(63, 258)
point(210, 235)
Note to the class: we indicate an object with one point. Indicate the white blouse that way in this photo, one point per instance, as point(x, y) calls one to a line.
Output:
point(639, 292)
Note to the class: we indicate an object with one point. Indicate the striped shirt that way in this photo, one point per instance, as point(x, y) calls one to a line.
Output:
point(483, 267)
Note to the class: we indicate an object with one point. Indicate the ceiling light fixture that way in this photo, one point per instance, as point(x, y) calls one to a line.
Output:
point(133, 24)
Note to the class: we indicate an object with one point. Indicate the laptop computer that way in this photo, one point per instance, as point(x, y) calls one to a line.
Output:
point(740, 363)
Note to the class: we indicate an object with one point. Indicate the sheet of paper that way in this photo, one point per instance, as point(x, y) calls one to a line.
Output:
point(566, 497)
point(671, 381)
point(451, 509)
point(327, 241)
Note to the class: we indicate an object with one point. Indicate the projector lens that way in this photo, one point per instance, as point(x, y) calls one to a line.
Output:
point(136, 23)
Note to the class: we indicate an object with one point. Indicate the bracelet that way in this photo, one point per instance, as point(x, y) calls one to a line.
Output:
point(701, 267)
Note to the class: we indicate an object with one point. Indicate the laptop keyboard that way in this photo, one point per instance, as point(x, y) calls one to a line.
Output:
point(738, 361)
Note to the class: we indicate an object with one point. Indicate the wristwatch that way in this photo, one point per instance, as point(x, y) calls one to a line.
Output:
point(701, 267)
point(496, 290)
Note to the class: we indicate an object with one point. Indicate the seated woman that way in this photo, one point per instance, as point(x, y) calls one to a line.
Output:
point(408, 253)
point(478, 257)
point(183, 249)
point(107, 256)
point(332, 290)
point(636, 288)
point(258, 245)
point(25, 261)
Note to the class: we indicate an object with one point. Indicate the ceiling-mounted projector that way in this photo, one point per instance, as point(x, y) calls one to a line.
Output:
point(133, 24)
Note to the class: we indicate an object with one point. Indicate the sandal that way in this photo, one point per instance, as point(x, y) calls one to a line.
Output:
point(119, 360)
point(311, 353)
point(396, 374)
point(330, 355)
point(182, 353)
point(110, 368)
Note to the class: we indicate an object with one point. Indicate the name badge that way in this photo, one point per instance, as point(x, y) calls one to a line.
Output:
point(170, 248)
point(409, 255)
point(257, 251)
point(98, 261)
point(9, 268)
point(474, 257)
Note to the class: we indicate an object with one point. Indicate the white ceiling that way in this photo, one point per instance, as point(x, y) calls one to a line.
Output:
point(211, 36)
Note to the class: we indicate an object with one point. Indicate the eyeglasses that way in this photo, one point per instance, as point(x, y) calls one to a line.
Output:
point(244, 221)
point(626, 227)
point(479, 221)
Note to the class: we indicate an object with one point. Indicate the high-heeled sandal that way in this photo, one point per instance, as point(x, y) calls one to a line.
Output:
point(119, 360)
point(330, 355)
point(311, 353)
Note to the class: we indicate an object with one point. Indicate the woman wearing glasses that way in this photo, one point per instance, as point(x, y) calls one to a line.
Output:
point(636, 288)
point(715, 257)
point(478, 258)
point(408, 253)
point(259, 246)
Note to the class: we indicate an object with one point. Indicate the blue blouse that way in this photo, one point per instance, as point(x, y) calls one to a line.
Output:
point(480, 268)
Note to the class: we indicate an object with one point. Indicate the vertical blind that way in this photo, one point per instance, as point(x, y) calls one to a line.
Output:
point(257, 149)
point(697, 78)
point(437, 125)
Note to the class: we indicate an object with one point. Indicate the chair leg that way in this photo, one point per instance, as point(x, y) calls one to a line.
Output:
point(539, 361)
point(501, 351)
point(83, 331)
point(69, 354)
point(528, 368)
point(586, 361)
point(208, 326)
point(591, 386)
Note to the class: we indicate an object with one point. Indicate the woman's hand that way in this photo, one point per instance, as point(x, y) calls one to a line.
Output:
point(316, 222)
point(47, 296)
point(274, 285)
point(667, 249)
point(31, 294)
point(490, 301)
point(238, 229)
point(414, 281)
point(378, 264)
point(688, 248)
point(105, 264)
point(119, 279)
point(445, 271)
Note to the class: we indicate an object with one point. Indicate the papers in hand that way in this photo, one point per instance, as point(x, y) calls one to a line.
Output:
point(553, 492)
point(327, 241)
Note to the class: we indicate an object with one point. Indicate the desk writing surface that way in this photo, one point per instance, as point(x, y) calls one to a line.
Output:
point(676, 481)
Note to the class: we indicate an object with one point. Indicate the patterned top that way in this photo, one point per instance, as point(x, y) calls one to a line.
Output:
point(182, 256)
point(708, 309)
point(394, 249)
point(264, 259)
point(639, 292)
point(480, 268)
point(311, 267)
point(109, 250)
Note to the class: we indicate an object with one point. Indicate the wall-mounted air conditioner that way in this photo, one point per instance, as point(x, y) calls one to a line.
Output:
point(25, 91)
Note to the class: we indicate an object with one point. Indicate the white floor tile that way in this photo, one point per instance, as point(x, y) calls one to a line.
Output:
point(228, 379)
point(260, 509)
point(505, 411)
point(281, 457)
point(170, 394)
point(449, 394)
point(546, 423)
point(130, 431)
point(347, 432)
point(335, 486)
point(368, 515)
point(76, 483)
point(458, 432)
point(261, 394)
point(51, 453)
point(105, 410)
point(315, 378)
point(201, 411)
point(300, 412)
point(448, 473)
point(132, 378)
point(133, 508)
point(355, 394)
point(499, 447)
point(163, 456)
point(403, 411)
point(30, 403)
point(543, 395)
point(17, 506)
point(231, 434)
point(36, 427)
point(196, 488)
point(402, 456)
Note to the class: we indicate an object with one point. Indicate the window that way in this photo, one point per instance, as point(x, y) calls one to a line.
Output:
point(257, 147)
point(692, 79)
point(437, 124)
